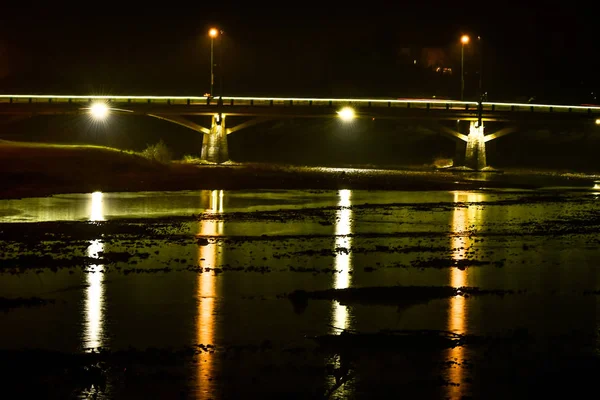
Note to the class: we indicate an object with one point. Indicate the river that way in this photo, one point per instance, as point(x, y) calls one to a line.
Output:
point(182, 270)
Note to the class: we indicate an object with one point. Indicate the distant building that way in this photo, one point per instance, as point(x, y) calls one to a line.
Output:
point(435, 58)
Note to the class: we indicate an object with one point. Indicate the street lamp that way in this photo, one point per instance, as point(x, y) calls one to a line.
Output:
point(213, 33)
point(346, 114)
point(99, 111)
point(463, 40)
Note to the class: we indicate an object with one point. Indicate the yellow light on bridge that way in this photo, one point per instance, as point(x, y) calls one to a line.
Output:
point(465, 39)
point(213, 33)
point(99, 111)
point(346, 114)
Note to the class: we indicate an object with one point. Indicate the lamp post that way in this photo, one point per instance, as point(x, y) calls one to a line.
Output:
point(481, 94)
point(213, 33)
point(221, 63)
point(480, 65)
point(463, 40)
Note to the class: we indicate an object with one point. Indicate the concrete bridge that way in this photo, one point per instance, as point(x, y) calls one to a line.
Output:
point(469, 134)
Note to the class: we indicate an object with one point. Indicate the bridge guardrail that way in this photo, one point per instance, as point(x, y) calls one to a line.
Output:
point(302, 102)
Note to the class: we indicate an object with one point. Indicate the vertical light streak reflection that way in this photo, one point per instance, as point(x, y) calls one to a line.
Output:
point(343, 257)
point(208, 257)
point(94, 296)
point(463, 219)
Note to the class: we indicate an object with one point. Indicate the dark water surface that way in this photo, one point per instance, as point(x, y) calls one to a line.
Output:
point(178, 271)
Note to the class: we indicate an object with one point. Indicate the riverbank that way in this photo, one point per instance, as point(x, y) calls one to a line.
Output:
point(35, 169)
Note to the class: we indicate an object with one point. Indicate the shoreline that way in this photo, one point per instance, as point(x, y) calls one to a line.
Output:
point(32, 170)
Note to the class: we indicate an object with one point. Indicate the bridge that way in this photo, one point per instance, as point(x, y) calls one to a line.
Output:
point(469, 133)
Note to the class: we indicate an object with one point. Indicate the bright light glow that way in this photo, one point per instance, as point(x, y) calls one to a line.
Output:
point(99, 111)
point(346, 114)
point(213, 33)
point(465, 39)
point(598, 122)
point(476, 131)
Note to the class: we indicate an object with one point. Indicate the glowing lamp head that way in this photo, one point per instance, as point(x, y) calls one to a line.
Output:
point(598, 122)
point(213, 33)
point(99, 111)
point(464, 39)
point(346, 114)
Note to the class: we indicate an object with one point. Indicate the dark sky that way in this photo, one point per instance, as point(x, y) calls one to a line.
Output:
point(300, 48)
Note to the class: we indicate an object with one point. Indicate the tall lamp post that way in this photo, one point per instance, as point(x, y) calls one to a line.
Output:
point(221, 64)
point(463, 40)
point(481, 94)
point(480, 65)
point(213, 33)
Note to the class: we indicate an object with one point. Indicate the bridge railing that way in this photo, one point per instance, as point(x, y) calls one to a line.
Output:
point(546, 108)
point(120, 100)
point(301, 102)
point(339, 103)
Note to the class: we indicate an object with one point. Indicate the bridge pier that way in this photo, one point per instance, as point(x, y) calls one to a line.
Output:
point(470, 148)
point(475, 156)
point(214, 143)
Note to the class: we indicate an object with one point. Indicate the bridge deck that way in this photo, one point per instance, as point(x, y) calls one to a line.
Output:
point(297, 107)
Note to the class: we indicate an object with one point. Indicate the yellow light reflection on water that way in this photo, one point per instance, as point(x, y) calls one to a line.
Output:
point(343, 257)
point(208, 257)
point(463, 219)
point(97, 207)
point(94, 295)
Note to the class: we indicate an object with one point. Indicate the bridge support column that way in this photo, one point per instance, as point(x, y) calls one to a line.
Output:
point(214, 143)
point(475, 152)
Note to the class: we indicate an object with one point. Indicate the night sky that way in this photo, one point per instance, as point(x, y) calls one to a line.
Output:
point(301, 49)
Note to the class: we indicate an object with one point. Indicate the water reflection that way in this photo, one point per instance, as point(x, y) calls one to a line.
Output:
point(208, 257)
point(463, 219)
point(343, 257)
point(94, 294)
